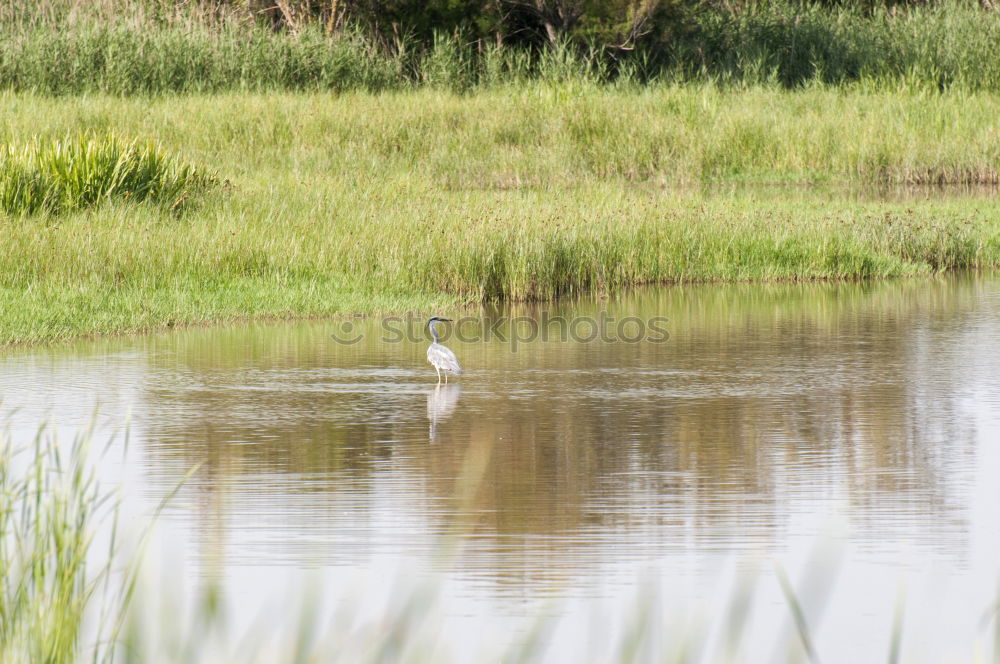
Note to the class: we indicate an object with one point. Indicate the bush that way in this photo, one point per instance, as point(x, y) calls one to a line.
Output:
point(84, 170)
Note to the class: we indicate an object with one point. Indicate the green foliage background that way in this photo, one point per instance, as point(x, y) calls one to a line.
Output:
point(162, 46)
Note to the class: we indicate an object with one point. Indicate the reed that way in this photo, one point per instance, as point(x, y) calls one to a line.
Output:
point(49, 504)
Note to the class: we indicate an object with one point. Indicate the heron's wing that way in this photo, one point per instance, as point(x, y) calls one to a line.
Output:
point(442, 357)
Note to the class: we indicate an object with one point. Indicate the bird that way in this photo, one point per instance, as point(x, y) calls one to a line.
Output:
point(441, 356)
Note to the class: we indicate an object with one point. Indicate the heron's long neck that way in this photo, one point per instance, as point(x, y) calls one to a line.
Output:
point(434, 332)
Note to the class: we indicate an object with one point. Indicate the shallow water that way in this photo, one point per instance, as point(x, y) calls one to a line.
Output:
point(846, 433)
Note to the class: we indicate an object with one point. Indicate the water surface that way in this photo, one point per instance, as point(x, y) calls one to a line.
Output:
point(844, 432)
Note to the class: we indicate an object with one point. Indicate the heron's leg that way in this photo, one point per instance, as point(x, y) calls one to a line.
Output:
point(439, 374)
point(445, 377)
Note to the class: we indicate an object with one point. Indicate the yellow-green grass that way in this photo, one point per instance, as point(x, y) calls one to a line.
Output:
point(84, 170)
point(425, 200)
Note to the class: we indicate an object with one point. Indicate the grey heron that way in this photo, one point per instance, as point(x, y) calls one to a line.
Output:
point(441, 356)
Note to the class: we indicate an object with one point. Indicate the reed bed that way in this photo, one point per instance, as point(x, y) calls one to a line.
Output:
point(130, 46)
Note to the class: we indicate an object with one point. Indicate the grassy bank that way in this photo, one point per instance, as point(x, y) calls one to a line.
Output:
point(363, 203)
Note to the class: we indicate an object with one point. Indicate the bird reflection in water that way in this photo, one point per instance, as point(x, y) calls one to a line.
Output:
point(441, 404)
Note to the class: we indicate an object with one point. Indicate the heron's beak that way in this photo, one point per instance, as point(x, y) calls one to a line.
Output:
point(447, 320)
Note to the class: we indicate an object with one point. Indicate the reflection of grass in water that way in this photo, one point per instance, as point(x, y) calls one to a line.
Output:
point(51, 589)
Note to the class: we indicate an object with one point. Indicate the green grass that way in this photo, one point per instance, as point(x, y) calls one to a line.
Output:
point(81, 171)
point(425, 200)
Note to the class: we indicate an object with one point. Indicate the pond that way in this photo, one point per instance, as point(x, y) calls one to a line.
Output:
point(673, 452)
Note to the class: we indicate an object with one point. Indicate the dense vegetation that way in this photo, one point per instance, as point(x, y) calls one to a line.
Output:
point(157, 46)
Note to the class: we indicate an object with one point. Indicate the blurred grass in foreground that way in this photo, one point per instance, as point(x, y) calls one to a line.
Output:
point(50, 505)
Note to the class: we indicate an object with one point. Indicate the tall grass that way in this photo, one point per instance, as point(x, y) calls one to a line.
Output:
point(126, 59)
point(82, 170)
point(136, 50)
point(935, 46)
